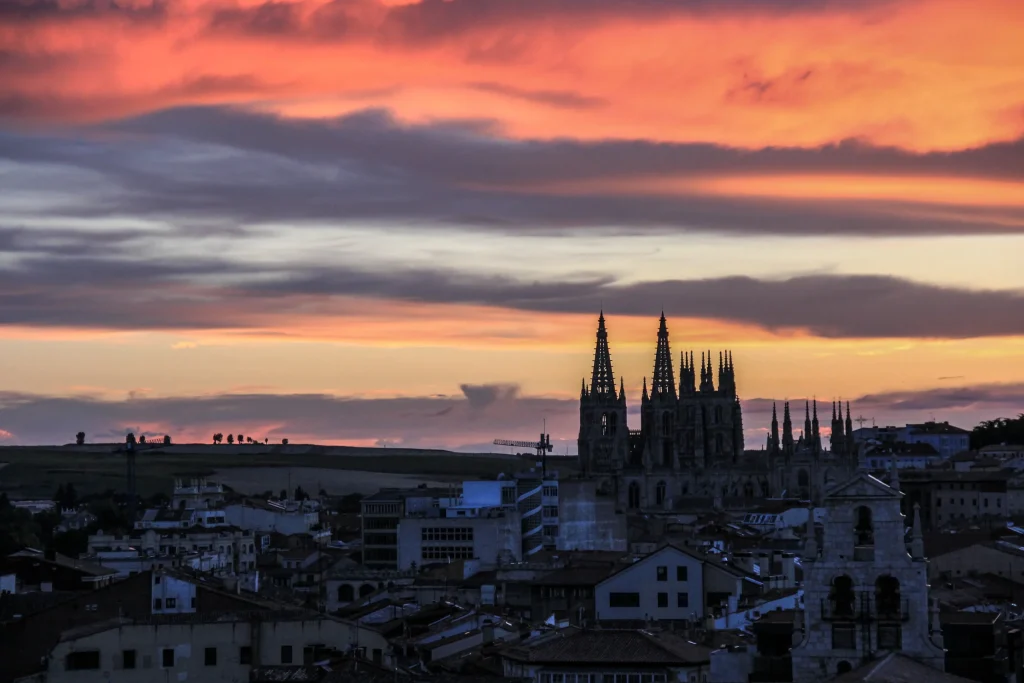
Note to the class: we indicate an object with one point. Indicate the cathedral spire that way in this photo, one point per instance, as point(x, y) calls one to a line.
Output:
point(773, 438)
point(583, 388)
point(644, 398)
point(602, 382)
point(849, 429)
point(807, 419)
point(787, 431)
point(663, 382)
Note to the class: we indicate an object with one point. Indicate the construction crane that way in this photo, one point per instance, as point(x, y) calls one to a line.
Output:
point(543, 446)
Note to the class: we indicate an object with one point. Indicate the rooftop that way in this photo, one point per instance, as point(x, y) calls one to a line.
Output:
point(935, 428)
point(574, 646)
point(897, 668)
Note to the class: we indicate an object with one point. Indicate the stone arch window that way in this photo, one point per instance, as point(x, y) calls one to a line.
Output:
point(887, 596)
point(659, 493)
point(346, 593)
point(865, 527)
point(666, 453)
point(718, 415)
point(366, 589)
point(613, 423)
point(666, 423)
point(634, 495)
point(604, 424)
point(841, 596)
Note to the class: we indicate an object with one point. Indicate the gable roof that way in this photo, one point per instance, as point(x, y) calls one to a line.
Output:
point(863, 486)
point(650, 556)
point(897, 668)
point(608, 646)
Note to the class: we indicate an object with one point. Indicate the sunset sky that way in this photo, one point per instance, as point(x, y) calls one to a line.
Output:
point(396, 221)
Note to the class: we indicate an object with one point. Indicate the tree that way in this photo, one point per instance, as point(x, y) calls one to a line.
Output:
point(80, 438)
point(266, 441)
point(240, 439)
point(284, 442)
point(142, 439)
point(284, 494)
point(130, 438)
point(248, 439)
point(218, 437)
point(300, 494)
point(231, 438)
point(998, 431)
point(167, 439)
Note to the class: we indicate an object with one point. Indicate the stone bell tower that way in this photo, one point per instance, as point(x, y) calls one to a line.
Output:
point(865, 592)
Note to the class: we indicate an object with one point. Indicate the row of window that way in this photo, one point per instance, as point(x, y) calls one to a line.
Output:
point(681, 573)
point(447, 533)
point(633, 600)
point(380, 523)
point(91, 659)
point(602, 678)
point(952, 501)
point(447, 552)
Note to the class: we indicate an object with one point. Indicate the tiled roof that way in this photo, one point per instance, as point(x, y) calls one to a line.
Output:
point(577, 576)
point(897, 668)
point(612, 647)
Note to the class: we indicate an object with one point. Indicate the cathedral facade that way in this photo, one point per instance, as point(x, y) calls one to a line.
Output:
point(690, 442)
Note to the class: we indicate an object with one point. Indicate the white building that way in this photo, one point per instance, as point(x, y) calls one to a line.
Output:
point(491, 535)
point(235, 546)
point(285, 517)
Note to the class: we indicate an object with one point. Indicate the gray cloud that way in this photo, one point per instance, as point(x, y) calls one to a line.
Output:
point(73, 283)
point(242, 167)
point(427, 421)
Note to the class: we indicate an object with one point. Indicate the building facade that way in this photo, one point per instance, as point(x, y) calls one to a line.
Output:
point(865, 594)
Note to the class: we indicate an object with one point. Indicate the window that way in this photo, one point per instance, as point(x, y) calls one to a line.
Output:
point(464, 533)
point(193, 603)
point(158, 604)
point(378, 655)
point(446, 552)
point(245, 655)
point(128, 659)
point(550, 492)
point(662, 599)
point(210, 656)
point(550, 511)
point(844, 636)
point(890, 637)
point(681, 573)
point(167, 658)
point(682, 599)
point(623, 599)
point(286, 654)
point(171, 603)
point(662, 573)
point(156, 579)
point(81, 661)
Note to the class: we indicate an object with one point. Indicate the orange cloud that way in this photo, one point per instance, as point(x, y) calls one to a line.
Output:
point(921, 74)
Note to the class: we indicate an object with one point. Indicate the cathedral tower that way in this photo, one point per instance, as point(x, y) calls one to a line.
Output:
point(604, 434)
point(659, 420)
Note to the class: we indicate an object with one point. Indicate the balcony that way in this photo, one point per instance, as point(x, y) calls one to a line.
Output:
point(865, 607)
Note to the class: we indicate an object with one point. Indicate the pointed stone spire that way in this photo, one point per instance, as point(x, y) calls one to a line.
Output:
point(773, 437)
point(807, 419)
point(583, 388)
point(602, 382)
point(663, 383)
point(894, 474)
point(815, 430)
point(916, 535)
point(849, 429)
point(645, 397)
point(622, 388)
point(787, 431)
point(811, 544)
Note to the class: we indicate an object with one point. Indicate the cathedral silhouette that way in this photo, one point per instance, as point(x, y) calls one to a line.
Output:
point(690, 440)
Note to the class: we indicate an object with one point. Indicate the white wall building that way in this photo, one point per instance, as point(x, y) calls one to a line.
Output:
point(285, 518)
